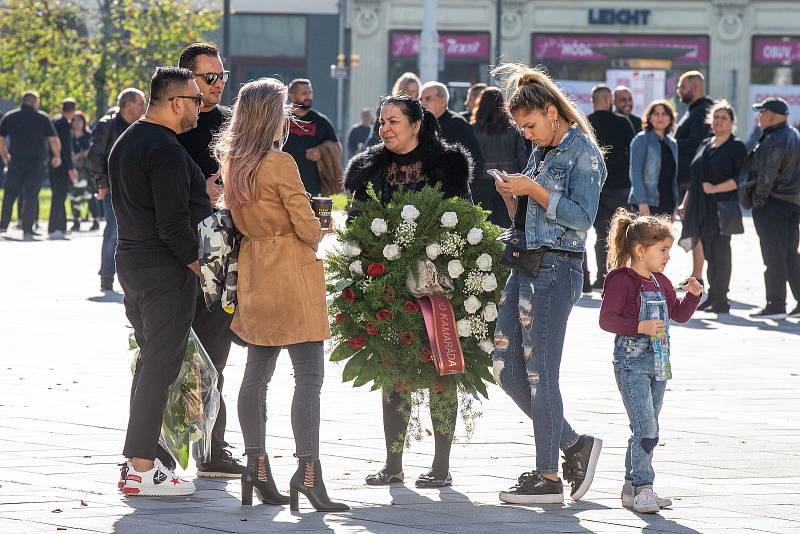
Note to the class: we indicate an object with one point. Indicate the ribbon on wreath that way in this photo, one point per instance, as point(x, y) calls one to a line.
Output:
point(440, 323)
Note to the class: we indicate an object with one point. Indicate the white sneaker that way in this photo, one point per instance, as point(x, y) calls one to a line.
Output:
point(157, 482)
point(646, 502)
point(627, 497)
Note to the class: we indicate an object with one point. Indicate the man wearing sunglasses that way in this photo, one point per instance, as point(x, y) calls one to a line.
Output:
point(212, 326)
point(159, 196)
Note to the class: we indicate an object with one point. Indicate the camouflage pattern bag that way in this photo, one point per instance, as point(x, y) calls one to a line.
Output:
point(219, 259)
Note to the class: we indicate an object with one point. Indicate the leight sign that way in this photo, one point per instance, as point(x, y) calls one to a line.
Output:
point(626, 17)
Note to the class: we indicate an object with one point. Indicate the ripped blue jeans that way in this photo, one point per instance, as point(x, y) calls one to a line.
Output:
point(529, 340)
point(642, 395)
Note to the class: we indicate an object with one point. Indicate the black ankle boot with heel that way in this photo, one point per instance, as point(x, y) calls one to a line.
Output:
point(258, 477)
point(308, 481)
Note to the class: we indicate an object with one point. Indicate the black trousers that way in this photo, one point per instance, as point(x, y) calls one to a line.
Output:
point(610, 201)
point(778, 228)
point(24, 178)
point(213, 328)
point(717, 251)
point(59, 186)
point(159, 303)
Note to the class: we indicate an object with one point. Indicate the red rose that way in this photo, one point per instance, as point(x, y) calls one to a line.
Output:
point(356, 343)
point(438, 388)
point(400, 387)
point(375, 270)
point(426, 356)
point(349, 295)
point(383, 315)
point(339, 317)
point(411, 307)
point(372, 329)
point(406, 338)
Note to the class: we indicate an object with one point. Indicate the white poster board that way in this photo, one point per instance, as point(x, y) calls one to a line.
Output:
point(580, 91)
point(646, 85)
point(790, 93)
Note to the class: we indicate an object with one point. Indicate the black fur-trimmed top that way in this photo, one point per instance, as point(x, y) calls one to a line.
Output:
point(449, 165)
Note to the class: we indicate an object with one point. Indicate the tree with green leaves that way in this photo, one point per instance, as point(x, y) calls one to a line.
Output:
point(59, 49)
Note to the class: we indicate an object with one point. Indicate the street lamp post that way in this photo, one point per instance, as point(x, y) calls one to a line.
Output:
point(428, 43)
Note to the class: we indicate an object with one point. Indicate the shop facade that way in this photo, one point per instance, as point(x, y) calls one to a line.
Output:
point(746, 48)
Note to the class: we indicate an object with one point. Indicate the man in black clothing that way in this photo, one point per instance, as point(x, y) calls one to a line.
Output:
point(614, 133)
point(130, 106)
point(774, 164)
point(359, 133)
point(213, 326)
point(29, 131)
point(434, 97)
point(61, 176)
point(159, 197)
point(623, 105)
point(307, 130)
point(692, 129)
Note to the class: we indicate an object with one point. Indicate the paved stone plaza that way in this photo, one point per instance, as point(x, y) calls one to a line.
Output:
point(729, 454)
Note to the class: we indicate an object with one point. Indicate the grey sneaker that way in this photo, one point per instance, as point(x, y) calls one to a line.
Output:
point(627, 497)
point(646, 502)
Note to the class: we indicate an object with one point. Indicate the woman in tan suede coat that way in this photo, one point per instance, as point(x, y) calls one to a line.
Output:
point(281, 288)
point(281, 285)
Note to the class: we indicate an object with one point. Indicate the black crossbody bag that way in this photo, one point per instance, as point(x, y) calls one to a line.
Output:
point(517, 256)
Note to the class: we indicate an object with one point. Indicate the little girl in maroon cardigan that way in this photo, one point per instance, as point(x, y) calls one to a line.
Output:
point(638, 304)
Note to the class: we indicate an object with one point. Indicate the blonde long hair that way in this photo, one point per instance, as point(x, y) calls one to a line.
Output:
point(628, 230)
point(260, 115)
point(532, 89)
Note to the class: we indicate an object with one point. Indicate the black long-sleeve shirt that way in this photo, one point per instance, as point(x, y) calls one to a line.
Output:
point(64, 132)
point(615, 134)
point(456, 130)
point(159, 196)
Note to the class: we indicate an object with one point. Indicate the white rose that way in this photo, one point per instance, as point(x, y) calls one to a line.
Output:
point(472, 304)
point(391, 252)
point(474, 236)
point(433, 250)
point(356, 268)
point(489, 283)
point(454, 268)
point(490, 312)
point(449, 219)
point(463, 328)
point(351, 249)
point(486, 345)
point(484, 262)
point(379, 226)
point(409, 213)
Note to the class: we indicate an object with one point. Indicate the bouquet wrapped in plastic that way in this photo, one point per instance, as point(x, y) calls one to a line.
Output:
point(192, 402)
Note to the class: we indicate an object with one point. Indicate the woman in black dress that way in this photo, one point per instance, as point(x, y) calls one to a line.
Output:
point(710, 208)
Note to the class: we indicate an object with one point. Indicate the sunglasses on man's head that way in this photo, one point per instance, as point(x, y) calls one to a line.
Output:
point(212, 77)
point(197, 98)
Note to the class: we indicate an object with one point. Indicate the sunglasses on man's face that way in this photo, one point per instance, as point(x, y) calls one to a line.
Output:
point(197, 98)
point(213, 77)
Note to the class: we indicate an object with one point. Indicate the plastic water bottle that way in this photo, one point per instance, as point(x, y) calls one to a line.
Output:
point(660, 342)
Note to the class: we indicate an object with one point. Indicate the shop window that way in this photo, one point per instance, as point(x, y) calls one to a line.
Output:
point(775, 71)
point(258, 35)
point(649, 65)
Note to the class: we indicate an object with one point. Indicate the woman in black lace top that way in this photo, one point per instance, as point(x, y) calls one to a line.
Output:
point(410, 156)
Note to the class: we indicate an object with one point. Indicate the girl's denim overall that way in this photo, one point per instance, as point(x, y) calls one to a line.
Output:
point(642, 394)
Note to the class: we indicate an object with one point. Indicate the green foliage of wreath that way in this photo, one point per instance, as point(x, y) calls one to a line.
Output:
point(378, 329)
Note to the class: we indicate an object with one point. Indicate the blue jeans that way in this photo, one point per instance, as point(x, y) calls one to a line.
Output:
point(642, 395)
point(107, 268)
point(529, 340)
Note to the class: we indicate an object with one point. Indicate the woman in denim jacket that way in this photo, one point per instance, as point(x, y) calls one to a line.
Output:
point(553, 205)
point(654, 162)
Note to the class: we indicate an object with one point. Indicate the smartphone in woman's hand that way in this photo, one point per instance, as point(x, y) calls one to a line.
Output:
point(497, 174)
